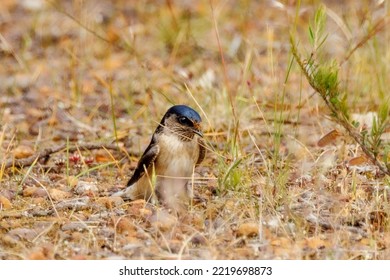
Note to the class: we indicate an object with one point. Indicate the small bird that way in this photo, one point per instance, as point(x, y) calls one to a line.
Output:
point(168, 162)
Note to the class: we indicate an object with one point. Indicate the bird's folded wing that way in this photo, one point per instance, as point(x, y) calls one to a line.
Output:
point(202, 151)
point(146, 160)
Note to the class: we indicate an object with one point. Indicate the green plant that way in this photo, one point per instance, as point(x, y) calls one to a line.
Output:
point(324, 79)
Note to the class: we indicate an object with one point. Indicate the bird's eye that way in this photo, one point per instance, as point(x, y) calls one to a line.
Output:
point(185, 121)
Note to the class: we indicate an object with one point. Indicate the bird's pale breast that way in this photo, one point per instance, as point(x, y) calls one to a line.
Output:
point(177, 158)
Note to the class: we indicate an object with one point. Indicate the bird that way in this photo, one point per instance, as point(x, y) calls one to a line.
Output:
point(167, 164)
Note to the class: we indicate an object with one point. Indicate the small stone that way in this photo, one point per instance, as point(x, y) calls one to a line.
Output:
point(74, 226)
point(75, 204)
point(58, 195)
point(83, 187)
point(22, 234)
point(248, 229)
point(9, 194)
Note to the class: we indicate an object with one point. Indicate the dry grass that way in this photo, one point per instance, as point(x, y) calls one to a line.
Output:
point(80, 72)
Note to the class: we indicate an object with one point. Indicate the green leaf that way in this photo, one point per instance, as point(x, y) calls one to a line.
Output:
point(311, 36)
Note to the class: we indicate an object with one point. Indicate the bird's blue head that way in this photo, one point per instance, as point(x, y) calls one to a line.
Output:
point(184, 111)
point(183, 120)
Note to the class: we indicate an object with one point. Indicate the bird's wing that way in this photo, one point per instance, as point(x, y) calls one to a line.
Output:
point(202, 151)
point(147, 159)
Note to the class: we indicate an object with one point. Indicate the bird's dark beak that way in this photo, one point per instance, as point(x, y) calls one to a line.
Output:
point(198, 132)
point(197, 129)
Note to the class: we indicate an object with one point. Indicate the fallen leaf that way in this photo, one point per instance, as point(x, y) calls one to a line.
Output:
point(281, 242)
point(43, 253)
point(23, 151)
point(5, 203)
point(316, 243)
point(101, 157)
point(125, 225)
point(357, 160)
point(58, 195)
point(248, 229)
point(38, 255)
point(34, 192)
point(328, 138)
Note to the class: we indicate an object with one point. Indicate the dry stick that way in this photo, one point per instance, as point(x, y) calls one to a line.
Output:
point(340, 118)
point(52, 150)
point(376, 29)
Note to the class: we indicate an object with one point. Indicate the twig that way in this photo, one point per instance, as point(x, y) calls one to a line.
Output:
point(375, 29)
point(340, 118)
point(52, 150)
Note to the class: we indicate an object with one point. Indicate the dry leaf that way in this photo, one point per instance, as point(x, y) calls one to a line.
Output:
point(316, 243)
point(34, 192)
point(23, 151)
point(102, 158)
point(43, 253)
point(113, 35)
point(357, 160)
point(5, 203)
point(35, 113)
point(328, 138)
point(125, 225)
point(248, 229)
point(281, 242)
point(58, 195)
point(38, 255)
